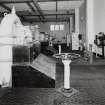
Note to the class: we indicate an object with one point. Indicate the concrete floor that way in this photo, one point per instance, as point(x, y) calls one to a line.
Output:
point(88, 80)
point(27, 77)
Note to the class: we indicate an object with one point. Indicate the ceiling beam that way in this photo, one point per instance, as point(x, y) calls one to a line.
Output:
point(23, 1)
point(33, 10)
point(5, 7)
point(54, 12)
point(50, 20)
point(35, 3)
point(9, 9)
point(14, 1)
point(58, 0)
point(56, 9)
point(28, 15)
point(31, 7)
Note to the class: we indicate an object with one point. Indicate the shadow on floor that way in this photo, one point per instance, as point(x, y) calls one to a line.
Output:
point(27, 77)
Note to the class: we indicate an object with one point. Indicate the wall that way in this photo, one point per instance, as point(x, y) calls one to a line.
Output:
point(82, 20)
point(99, 16)
point(95, 17)
point(95, 20)
point(45, 27)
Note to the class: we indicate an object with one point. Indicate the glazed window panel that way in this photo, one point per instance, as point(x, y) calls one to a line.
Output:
point(51, 27)
point(56, 27)
point(61, 26)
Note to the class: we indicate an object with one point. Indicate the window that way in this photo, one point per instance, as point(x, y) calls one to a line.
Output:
point(61, 27)
point(52, 27)
point(57, 27)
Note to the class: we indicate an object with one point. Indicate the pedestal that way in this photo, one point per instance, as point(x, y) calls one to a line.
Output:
point(67, 90)
point(66, 74)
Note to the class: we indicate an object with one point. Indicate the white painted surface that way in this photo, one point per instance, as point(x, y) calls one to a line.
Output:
point(8, 29)
point(6, 41)
point(90, 22)
point(62, 5)
point(71, 28)
point(99, 16)
point(76, 20)
point(95, 20)
point(71, 24)
point(66, 73)
point(82, 21)
point(99, 19)
point(59, 49)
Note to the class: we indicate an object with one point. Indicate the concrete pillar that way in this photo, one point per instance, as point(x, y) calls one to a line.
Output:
point(90, 22)
point(59, 49)
point(91, 54)
point(77, 20)
point(71, 28)
point(68, 39)
point(71, 24)
point(66, 73)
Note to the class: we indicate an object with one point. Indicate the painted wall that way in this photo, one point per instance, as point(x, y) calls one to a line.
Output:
point(95, 17)
point(82, 20)
point(99, 16)
point(95, 20)
point(45, 27)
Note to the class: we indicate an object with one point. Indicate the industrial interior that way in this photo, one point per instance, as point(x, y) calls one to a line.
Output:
point(52, 52)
